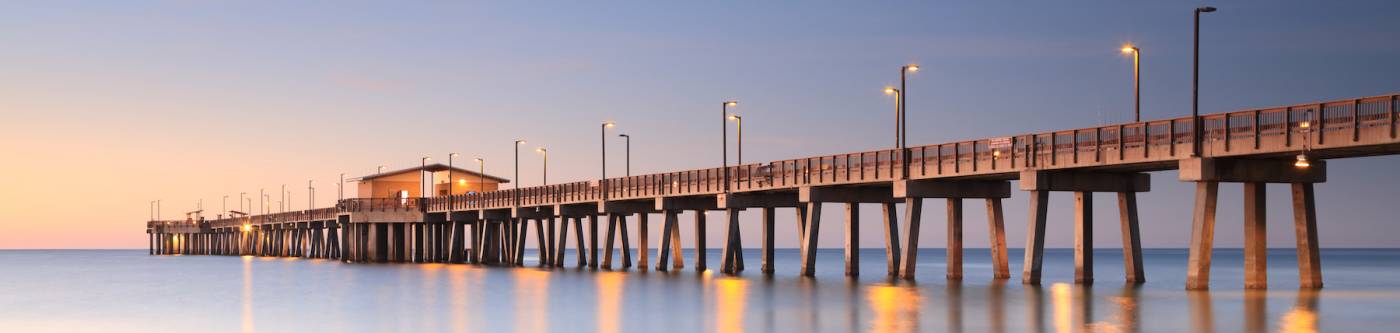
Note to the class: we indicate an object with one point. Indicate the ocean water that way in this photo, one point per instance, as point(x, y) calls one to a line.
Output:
point(130, 291)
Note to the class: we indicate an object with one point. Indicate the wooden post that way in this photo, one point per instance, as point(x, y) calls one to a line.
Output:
point(1035, 237)
point(891, 226)
point(852, 239)
point(1255, 242)
point(563, 242)
point(1202, 236)
point(1132, 242)
point(700, 241)
point(642, 239)
point(801, 228)
point(668, 226)
point(809, 247)
point(913, 208)
point(1305, 227)
point(955, 239)
point(767, 260)
point(1084, 237)
point(997, 231)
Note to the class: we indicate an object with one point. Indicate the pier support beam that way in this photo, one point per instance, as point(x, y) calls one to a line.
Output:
point(852, 196)
point(954, 191)
point(1039, 183)
point(1208, 173)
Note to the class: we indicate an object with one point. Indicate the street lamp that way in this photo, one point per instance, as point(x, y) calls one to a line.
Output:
point(1137, 80)
point(423, 176)
point(224, 207)
point(544, 178)
point(898, 98)
point(628, 164)
point(1302, 161)
point(450, 156)
point(516, 178)
point(1196, 82)
point(341, 187)
point(241, 200)
point(481, 185)
point(603, 139)
point(738, 120)
point(724, 140)
point(310, 195)
point(262, 201)
point(904, 125)
point(379, 169)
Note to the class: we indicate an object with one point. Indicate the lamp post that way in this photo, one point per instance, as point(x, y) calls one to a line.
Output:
point(1196, 82)
point(544, 177)
point(224, 207)
point(262, 201)
point(341, 187)
point(152, 210)
point(310, 194)
point(379, 169)
point(898, 98)
point(903, 100)
point(724, 140)
point(481, 184)
point(628, 163)
point(423, 176)
point(516, 178)
point(241, 200)
point(282, 204)
point(1137, 80)
point(603, 139)
point(739, 122)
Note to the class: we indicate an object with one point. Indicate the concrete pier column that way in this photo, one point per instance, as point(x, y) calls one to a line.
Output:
point(766, 263)
point(663, 252)
point(581, 249)
point(1305, 227)
point(563, 242)
point(955, 239)
point(1202, 236)
point(729, 262)
point(547, 253)
point(700, 241)
point(913, 216)
point(593, 241)
point(608, 243)
point(1035, 237)
point(890, 224)
point(1084, 237)
point(996, 227)
point(1132, 242)
point(809, 238)
point(541, 243)
point(626, 244)
point(643, 248)
point(1255, 238)
point(852, 239)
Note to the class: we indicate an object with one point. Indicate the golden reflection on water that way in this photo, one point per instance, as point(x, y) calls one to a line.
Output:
point(460, 296)
point(532, 304)
point(610, 301)
point(731, 294)
point(896, 309)
point(1303, 317)
point(247, 322)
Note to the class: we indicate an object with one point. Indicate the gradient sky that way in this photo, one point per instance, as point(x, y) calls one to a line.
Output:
point(105, 106)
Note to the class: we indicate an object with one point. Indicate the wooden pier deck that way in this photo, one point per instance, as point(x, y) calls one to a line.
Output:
point(1252, 147)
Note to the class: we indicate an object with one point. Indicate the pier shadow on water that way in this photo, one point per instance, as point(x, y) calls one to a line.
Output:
point(128, 291)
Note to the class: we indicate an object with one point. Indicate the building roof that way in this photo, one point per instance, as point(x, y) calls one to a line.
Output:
point(435, 167)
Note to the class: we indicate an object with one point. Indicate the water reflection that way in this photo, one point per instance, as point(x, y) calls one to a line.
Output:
point(731, 294)
point(895, 308)
point(1303, 317)
point(610, 300)
point(247, 318)
point(532, 300)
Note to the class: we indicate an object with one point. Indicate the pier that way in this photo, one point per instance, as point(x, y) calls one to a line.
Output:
point(1280, 145)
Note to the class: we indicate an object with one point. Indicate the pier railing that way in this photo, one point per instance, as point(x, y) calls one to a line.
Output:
point(1257, 132)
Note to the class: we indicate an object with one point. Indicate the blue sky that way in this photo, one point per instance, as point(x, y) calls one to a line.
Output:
point(183, 100)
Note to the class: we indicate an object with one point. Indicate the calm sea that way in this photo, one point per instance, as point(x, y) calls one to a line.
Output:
point(129, 291)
